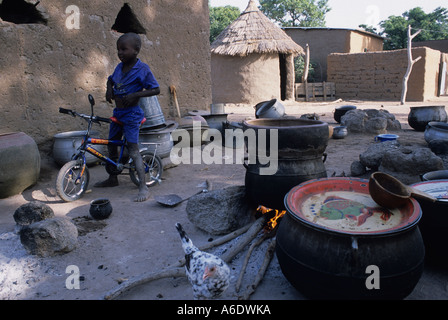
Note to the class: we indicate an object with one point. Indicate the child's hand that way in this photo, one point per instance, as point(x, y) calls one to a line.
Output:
point(109, 95)
point(130, 100)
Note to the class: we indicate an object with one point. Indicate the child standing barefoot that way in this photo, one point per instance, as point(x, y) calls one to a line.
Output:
point(131, 80)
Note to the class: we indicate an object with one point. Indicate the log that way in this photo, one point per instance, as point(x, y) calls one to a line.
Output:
point(267, 260)
point(146, 277)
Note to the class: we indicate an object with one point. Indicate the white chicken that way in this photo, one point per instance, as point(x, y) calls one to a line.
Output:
point(208, 274)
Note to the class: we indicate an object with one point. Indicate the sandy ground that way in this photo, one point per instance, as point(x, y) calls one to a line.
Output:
point(141, 237)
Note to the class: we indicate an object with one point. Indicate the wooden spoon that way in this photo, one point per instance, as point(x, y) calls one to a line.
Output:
point(391, 193)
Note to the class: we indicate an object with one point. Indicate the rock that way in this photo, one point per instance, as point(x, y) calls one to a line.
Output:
point(31, 212)
point(409, 162)
point(220, 212)
point(370, 120)
point(49, 237)
point(371, 158)
point(357, 169)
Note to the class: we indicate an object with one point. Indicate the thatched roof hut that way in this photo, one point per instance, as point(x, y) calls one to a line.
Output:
point(252, 60)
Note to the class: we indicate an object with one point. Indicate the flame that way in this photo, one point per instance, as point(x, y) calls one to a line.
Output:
point(272, 223)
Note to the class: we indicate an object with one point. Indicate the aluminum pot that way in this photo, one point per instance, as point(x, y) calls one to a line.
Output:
point(269, 109)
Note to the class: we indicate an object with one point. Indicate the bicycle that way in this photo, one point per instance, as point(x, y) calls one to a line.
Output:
point(73, 177)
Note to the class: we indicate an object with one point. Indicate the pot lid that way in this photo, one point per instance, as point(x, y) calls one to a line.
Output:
point(436, 188)
point(344, 205)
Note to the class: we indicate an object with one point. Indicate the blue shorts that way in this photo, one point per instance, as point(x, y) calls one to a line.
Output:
point(131, 119)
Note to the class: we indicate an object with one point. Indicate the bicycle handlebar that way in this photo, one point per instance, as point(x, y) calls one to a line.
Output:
point(95, 119)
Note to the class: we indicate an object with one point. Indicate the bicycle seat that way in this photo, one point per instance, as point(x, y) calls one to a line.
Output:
point(115, 120)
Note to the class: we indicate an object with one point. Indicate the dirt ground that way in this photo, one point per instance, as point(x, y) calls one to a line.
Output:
point(140, 237)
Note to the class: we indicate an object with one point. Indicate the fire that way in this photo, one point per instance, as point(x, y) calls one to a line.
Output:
point(272, 223)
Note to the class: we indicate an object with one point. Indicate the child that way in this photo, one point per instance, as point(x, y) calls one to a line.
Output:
point(131, 80)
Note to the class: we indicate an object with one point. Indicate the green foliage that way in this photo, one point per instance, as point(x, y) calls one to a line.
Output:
point(299, 68)
point(220, 18)
point(434, 26)
point(296, 13)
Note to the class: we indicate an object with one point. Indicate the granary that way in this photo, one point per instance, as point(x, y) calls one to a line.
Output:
point(252, 60)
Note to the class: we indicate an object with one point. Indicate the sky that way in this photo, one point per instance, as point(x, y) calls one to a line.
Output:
point(352, 13)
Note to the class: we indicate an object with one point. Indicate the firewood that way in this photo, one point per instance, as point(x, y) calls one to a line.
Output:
point(267, 260)
point(146, 277)
point(246, 260)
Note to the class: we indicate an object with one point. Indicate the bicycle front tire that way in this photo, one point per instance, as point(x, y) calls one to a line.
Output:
point(67, 188)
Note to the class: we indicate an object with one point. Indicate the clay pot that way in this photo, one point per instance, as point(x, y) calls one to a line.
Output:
point(19, 163)
point(436, 131)
point(340, 111)
point(325, 263)
point(100, 209)
point(419, 117)
point(301, 147)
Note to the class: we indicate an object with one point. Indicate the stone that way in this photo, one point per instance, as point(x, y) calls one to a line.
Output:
point(357, 169)
point(371, 158)
point(221, 211)
point(409, 162)
point(49, 237)
point(31, 212)
point(370, 120)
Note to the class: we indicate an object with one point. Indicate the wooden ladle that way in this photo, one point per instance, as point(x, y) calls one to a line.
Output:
point(391, 193)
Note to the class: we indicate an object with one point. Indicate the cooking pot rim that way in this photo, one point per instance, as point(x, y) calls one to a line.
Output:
point(435, 181)
point(416, 214)
point(422, 107)
point(306, 123)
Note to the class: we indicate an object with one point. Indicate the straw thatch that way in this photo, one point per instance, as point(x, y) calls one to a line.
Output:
point(253, 32)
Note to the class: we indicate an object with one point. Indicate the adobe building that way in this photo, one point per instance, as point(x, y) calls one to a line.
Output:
point(54, 53)
point(325, 41)
point(252, 60)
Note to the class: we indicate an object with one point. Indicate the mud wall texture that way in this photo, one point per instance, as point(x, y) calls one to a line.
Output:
point(379, 75)
point(57, 64)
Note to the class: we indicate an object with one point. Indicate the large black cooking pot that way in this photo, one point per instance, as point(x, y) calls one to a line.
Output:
point(328, 262)
point(300, 157)
point(419, 117)
point(434, 222)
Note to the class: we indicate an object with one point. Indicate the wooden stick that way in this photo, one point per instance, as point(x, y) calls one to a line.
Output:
point(247, 238)
point(146, 277)
point(246, 260)
point(267, 260)
point(410, 64)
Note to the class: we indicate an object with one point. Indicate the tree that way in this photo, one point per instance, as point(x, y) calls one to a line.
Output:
point(220, 18)
point(296, 13)
point(434, 26)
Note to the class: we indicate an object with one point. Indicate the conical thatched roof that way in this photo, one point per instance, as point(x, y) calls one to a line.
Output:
point(253, 32)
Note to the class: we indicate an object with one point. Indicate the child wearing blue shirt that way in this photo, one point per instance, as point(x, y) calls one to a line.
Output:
point(131, 80)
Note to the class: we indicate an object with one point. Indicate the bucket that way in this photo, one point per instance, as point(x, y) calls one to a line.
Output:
point(217, 108)
point(153, 112)
point(66, 145)
point(269, 109)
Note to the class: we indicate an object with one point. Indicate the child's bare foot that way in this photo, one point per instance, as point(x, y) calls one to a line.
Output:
point(143, 195)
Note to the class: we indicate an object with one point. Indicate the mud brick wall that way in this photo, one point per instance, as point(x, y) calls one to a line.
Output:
point(379, 75)
point(57, 64)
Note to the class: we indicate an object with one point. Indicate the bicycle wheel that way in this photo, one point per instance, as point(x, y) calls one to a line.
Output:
point(155, 169)
point(68, 186)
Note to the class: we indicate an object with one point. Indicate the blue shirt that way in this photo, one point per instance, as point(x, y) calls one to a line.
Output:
point(138, 78)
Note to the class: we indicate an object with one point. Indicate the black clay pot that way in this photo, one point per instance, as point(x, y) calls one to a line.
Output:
point(340, 111)
point(419, 117)
point(100, 209)
point(434, 222)
point(322, 263)
point(300, 146)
